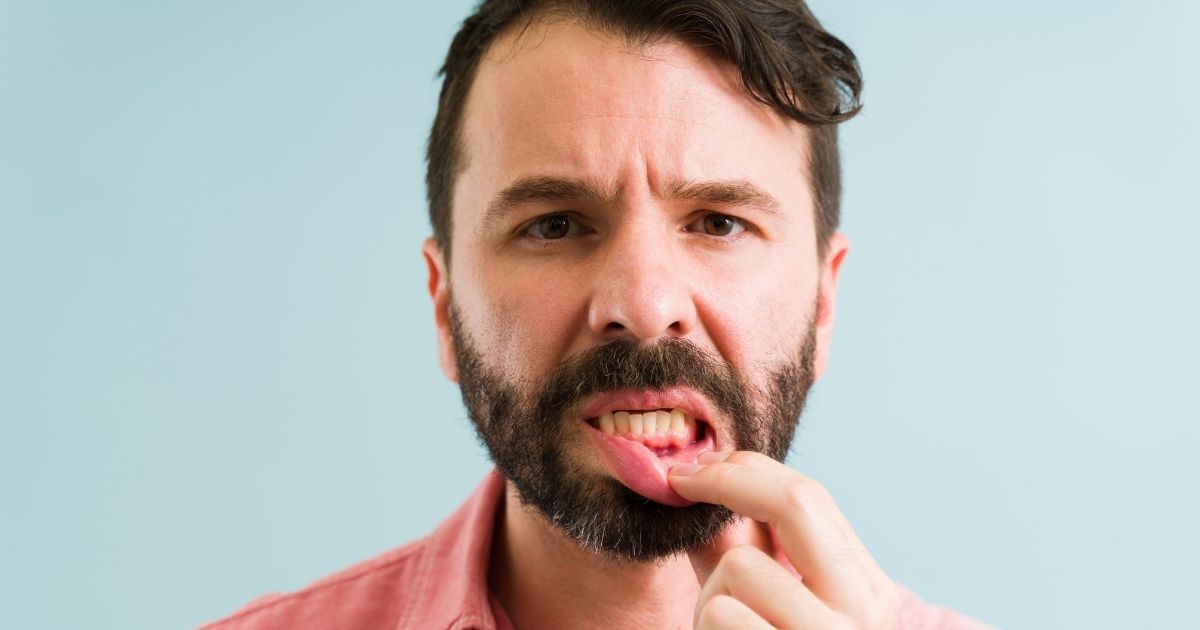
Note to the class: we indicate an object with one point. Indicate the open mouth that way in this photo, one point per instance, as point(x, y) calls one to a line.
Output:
point(662, 431)
point(639, 446)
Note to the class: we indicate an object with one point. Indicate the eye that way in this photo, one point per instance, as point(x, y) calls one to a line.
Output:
point(717, 224)
point(553, 227)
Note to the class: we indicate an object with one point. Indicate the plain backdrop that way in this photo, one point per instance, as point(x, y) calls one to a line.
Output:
point(217, 365)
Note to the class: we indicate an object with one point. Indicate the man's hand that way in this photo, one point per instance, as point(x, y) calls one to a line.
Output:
point(742, 587)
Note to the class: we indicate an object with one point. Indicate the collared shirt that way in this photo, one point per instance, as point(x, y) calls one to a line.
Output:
point(440, 582)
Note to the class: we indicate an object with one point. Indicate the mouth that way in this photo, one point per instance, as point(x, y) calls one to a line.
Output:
point(663, 431)
point(640, 435)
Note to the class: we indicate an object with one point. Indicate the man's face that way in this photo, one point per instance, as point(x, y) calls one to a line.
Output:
point(631, 232)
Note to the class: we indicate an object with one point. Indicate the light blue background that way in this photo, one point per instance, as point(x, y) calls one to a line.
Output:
point(217, 369)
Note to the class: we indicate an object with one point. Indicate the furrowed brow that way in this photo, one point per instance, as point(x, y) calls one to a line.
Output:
point(542, 188)
point(727, 193)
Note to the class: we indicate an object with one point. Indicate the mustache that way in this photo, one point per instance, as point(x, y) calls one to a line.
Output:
point(623, 364)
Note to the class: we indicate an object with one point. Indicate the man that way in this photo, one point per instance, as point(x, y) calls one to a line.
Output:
point(634, 275)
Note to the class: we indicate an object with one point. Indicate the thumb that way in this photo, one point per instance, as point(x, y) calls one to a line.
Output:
point(704, 559)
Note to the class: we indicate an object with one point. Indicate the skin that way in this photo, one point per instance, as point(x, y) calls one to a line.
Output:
point(560, 100)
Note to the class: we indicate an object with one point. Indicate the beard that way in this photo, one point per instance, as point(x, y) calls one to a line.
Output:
point(527, 433)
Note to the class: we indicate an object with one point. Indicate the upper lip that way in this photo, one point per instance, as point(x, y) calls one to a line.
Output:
point(684, 399)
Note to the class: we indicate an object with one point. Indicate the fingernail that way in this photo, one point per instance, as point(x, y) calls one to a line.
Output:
point(712, 457)
point(682, 470)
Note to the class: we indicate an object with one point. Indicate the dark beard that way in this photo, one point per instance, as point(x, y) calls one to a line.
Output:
point(527, 436)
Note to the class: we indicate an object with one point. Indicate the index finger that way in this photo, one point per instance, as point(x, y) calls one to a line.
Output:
point(815, 536)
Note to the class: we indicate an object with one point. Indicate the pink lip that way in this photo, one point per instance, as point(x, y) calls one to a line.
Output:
point(630, 461)
point(640, 470)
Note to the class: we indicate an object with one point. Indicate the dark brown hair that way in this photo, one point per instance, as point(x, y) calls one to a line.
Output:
point(786, 59)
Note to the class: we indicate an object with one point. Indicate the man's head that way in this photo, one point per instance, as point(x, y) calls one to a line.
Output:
point(635, 208)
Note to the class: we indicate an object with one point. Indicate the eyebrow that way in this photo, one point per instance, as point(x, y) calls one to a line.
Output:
point(739, 193)
point(545, 188)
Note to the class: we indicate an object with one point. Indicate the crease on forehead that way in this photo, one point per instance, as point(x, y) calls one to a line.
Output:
point(532, 31)
point(722, 79)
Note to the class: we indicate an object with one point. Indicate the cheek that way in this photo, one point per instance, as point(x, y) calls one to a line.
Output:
point(529, 319)
point(759, 318)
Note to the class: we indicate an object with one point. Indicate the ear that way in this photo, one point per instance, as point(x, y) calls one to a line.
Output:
point(831, 266)
point(439, 290)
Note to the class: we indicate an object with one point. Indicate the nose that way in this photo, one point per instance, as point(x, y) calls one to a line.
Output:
point(640, 290)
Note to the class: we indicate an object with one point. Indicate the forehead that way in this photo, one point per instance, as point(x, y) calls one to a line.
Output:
point(560, 99)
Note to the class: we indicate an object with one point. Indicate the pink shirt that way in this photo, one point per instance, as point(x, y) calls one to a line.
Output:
point(440, 582)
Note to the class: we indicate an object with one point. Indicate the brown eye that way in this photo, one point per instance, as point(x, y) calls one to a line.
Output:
point(721, 225)
point(552, 227)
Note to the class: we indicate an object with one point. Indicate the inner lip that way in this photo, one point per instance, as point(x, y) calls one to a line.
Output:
point(702, 429)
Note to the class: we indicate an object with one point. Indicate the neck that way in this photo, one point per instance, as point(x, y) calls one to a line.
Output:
point(544, 580)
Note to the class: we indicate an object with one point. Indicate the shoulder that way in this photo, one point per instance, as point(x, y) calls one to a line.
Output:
point(438, 580)
point(370, 594)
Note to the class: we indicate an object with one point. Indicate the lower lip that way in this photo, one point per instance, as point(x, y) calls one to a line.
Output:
point(643, 471)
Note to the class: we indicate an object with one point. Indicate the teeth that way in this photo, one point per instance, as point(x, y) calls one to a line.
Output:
point(648, 424)
point(678, 425)
point(635, 424)
point(621, 422)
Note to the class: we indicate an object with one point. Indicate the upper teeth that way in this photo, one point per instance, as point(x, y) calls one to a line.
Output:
point(646, 423)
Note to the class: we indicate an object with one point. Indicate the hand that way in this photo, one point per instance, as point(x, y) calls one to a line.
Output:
point(743, 587)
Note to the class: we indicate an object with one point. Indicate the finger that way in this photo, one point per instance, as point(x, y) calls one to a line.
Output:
point(726, 612)
point(704, 559)
point(814, 534)
point(766, 587)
